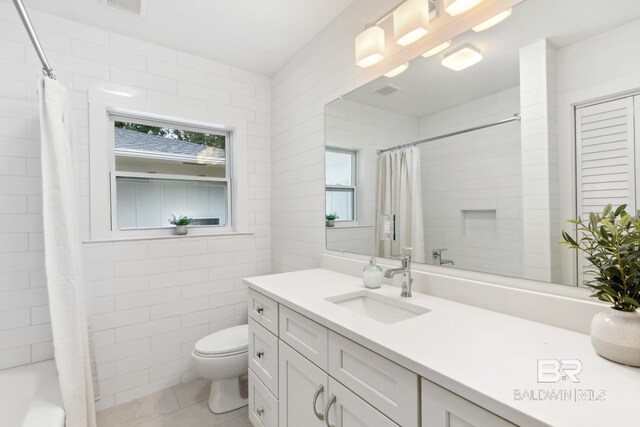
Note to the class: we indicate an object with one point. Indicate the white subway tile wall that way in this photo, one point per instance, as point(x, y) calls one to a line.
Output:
point(471, 173)
point(149, 300)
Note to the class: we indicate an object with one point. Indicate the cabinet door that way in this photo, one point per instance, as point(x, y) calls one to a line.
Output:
point(441, 408)
point(347, 410)
point(303, 390)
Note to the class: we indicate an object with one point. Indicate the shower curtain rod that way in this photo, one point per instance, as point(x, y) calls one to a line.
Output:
point(46, 68)
point(516, 117)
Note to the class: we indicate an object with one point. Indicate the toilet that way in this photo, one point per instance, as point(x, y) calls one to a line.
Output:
point(223, 358)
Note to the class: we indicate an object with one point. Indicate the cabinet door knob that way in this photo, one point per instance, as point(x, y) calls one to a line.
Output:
point(332, 400)
point(319, 390)
point(260, 412)
point(259, 309)
point(260, 354)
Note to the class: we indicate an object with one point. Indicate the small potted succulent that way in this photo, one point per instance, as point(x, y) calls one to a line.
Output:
point(611, 242)
point(181, 223)
point(331, 219)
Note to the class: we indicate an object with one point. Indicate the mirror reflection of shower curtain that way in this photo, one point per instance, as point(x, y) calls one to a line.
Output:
point(399, 213)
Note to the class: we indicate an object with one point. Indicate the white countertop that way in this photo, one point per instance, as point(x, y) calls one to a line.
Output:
point(483, 356)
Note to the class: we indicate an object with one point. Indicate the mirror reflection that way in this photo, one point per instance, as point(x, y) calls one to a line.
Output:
point(475, 155)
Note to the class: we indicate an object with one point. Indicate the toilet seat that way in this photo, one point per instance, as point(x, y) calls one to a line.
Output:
point(227, 342)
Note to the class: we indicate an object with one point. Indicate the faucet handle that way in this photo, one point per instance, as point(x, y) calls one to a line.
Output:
point(438, 251)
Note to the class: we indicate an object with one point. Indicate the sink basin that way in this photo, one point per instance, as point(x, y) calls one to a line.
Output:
point(378, 307)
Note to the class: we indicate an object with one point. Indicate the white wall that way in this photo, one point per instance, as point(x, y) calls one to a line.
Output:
point(150, 300)
point(539, 162)
point(466, 176)
point(365, 129)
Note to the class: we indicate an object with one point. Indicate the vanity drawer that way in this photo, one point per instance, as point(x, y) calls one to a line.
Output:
point(263, 355)
point(304, 335)
point(263, 310)
point(389, 387)
point(263, 406)
point(441, 408)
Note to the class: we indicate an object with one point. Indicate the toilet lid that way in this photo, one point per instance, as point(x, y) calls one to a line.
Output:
point(228, 341)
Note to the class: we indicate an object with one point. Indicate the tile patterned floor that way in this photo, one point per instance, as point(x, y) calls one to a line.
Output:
point(184, 405)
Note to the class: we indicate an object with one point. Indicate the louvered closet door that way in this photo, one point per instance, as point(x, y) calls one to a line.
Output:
point(606, 157)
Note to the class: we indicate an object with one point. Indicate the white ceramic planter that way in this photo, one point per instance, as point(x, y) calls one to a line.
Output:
point(330, 223)
point(615, 335)
point(181, 230)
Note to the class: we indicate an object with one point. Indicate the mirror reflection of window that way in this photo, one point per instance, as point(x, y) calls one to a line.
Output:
point(340, 181)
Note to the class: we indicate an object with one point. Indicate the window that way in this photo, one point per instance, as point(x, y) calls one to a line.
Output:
point(149, 160)
point(340, 175)
point(163, 169)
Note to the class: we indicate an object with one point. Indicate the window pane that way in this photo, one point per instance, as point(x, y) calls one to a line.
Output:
point(340, 201)
point(150, 202)
point(144, 148)
point(338, 168)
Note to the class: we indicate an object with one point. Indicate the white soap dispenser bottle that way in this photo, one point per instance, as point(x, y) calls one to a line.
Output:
point(372, 274)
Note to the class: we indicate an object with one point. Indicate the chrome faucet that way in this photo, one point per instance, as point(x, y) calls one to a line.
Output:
point(406, 279)
point(436, 254)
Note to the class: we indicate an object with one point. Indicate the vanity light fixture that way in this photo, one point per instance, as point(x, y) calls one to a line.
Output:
point(370, 46)
point(492, 21)
point(437, 49)
point(410, 21)
point(462, 57)
point(397, 71)
point(456, 7)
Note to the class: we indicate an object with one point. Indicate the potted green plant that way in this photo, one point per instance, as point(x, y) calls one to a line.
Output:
point(331, 219)
point(611, 242)
point(182, 222)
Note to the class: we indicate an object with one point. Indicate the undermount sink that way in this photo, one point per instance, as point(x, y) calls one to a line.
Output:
point(378, 307)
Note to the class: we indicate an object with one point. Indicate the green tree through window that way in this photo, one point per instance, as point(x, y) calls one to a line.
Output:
point(207, 139)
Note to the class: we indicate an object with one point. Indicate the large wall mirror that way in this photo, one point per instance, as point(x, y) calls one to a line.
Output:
point(480, 168)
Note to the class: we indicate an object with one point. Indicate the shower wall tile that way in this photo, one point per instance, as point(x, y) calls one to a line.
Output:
point(148, 300)
point(478, 171)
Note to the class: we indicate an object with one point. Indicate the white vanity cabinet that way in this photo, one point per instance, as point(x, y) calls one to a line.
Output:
point(303, 374)
point(310, 397)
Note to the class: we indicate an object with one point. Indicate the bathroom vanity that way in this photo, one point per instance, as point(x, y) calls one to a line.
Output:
point(323, 351)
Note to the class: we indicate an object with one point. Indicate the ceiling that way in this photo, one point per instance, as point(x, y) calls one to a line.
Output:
point(257, 35)
point(428, 87)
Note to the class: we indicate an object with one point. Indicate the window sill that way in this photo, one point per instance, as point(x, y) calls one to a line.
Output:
point(349, 225)
point(168, 237)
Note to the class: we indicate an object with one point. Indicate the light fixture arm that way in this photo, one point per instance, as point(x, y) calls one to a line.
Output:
point(432, 8)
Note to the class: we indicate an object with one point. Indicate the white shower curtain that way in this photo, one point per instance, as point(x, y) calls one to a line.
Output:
point(400, 205)
point(63, 256)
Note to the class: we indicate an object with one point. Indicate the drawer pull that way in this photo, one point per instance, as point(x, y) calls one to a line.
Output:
point(260, 354)
point(332, 400)
point(259, 309)
point(260, 412)
point(319, 390)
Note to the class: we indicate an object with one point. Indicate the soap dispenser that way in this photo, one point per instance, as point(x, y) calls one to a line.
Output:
point(372, 274)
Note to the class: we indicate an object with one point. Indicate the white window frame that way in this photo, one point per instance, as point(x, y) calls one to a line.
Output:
point(105, 107)
point(113, 118)
point(354, 181)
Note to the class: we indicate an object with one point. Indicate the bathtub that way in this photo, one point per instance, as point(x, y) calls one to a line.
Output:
point(30, 396)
